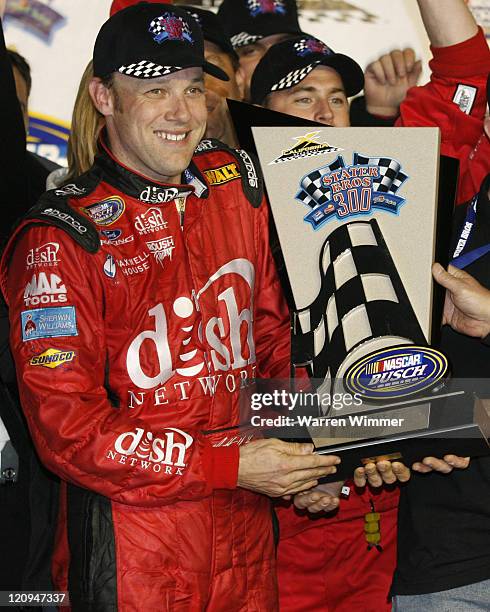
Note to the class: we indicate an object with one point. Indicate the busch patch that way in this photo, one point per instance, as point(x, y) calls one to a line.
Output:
point(170, 27)
point(262, 7)
point(307, 46)
point(48, 323)
point(162, 249)
point(107, 211)
point(52, 358)
point(307, 146)
point(337, 191)
point(396, 372)
point(224, 174)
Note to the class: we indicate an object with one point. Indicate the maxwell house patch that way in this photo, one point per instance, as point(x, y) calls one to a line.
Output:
point(396, 372)
point(106, 212)
point(52, 358)
point(224, 174)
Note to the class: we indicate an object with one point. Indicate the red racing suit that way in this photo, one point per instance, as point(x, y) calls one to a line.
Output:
point(129, 361)
point(455, 101)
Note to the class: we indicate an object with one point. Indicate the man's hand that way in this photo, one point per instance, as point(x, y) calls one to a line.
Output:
point(388, 79)
point(278, 468)
point(467, 305)
point(445, 466)
point(322, 498)
point(385, 472)
point(380, 473)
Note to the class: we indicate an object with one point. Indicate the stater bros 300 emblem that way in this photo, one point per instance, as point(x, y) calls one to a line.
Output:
point(337, 191)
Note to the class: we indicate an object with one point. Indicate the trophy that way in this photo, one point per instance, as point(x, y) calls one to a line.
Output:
point(359, 225)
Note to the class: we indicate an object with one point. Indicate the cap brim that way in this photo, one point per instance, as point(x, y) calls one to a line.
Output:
point(215, 71)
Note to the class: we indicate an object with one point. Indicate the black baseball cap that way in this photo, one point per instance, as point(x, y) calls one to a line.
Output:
point(247, 21)
point(290, 61)
point(212, 28)
point(149, 40)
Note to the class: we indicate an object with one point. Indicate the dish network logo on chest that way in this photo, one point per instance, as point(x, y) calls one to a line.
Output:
point(190, 363)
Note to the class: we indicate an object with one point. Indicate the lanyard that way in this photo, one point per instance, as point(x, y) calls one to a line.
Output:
point(463, 260)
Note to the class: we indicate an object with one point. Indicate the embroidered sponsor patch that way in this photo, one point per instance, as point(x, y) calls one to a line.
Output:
point(106, 212)
point(223, 174)
point(44, 256)
point(110, 267)
point(465, 97)
point(52, 358)
point(48, 323)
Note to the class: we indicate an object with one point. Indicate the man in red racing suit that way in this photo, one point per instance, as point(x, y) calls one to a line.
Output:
point(138, 309)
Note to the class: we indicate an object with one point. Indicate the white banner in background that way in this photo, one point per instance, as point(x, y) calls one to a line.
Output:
point(57, 37)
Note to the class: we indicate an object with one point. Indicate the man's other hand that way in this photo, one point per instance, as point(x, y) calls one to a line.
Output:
point(278, 468)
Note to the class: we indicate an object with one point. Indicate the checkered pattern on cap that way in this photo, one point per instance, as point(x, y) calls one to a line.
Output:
point(294, 77)
point(313, 193)
point(147, 70)
point(390, 179)
point(244, 38)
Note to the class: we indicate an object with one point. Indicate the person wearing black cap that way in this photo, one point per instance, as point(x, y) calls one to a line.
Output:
point(254, 26)
point(141, 297)
point(303, 77)
point(219, 51)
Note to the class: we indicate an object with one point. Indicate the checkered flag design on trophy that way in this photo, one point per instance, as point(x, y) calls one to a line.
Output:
point(361, 307)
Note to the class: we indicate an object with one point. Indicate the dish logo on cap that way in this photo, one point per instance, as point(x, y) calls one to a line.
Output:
point(259, 7)
point(311, 45)
point(170, 27)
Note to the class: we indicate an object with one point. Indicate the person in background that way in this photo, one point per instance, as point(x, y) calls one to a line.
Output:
point(254, 26)
point(28, 492)
point(455, 99)
point(303, 77)
point(86, 125)
point(219, 51)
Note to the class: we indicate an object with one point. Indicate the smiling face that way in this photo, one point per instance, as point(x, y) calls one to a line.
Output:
point(319, 97)
point(154, 125)
point(250, 56)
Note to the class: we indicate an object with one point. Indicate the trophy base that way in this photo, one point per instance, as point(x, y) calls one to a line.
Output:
point(456, 425)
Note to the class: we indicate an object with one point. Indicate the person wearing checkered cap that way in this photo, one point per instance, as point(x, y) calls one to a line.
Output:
point(219, 51)
point(254, 26)
point(304, 77)
point(172, 302)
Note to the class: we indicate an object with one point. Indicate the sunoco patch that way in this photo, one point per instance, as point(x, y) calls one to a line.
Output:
point(52, 358)
point(106, 212)
point(396, 372)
